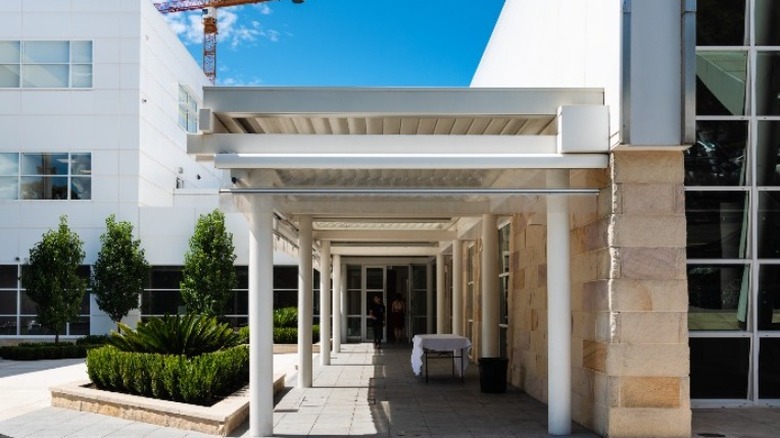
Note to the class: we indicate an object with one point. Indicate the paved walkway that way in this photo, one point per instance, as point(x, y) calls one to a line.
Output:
point(363, 393)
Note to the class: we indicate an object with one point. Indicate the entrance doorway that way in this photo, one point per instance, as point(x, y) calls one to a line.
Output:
point(388, 281)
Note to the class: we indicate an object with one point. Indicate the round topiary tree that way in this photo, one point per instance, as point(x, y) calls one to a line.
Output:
point(121, 270)
point(51, 279)
point(208, 275)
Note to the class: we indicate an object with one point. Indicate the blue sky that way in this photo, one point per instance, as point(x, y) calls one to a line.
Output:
point(346, 42)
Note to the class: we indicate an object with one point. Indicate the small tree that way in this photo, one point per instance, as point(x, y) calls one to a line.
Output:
point(208, 276)
point(120, 271)
point(51, 278)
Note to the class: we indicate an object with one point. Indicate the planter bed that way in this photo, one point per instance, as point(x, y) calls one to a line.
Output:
point(218, 419)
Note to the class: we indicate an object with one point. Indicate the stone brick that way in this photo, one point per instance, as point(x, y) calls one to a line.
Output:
point(583, 325)
point(649, 423)
point(594, 355)
point(650, 392)
point(595, 295)
point(659, 295)
point(647, 166)
point(650, 199)
point(650, 360)
point(596, 234)
point(651, 263)
point(650, 327)
point(603, 328)
point(649, 231)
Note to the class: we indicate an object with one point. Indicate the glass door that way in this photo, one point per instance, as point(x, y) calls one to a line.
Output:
point(375, 280)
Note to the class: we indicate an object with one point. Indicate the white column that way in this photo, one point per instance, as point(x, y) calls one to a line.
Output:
point(343, 304)
point(428, 298)
point(457, 287)
point(337, 303)
point(489, 285)
point(441, 300)
point(261, 323)
point(304, 301)
point(558, 309)
point(325, 300)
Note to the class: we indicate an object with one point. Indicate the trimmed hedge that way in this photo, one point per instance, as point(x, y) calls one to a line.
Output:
point(282, 335)
point(53, 350)
point(44, 350)
point(201, 380)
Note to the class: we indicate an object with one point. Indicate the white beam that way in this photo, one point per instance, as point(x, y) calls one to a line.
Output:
point(411, 161)
point(370, 144)
point(385, 235)
point(390, 251)
point(442, 102)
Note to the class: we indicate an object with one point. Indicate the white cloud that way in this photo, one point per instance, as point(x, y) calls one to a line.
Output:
point(263, 8)
point(231, 29)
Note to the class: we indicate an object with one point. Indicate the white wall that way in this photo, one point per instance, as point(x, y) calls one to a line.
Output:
point(556, 43)
point(164, 64)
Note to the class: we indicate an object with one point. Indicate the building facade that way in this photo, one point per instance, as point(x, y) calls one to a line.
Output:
point(598, 208)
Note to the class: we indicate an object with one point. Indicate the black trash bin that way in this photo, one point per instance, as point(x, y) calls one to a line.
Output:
point(492, 374)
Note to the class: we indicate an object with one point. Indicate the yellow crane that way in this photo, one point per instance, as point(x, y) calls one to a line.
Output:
point(209, 8)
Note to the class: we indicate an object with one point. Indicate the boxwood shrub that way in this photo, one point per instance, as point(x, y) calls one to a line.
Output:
point(282, 335)
point(201, 380)
point(47, 350)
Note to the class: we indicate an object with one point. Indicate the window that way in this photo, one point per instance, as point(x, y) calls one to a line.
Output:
point(46, 64)
point(64, 175)
point(188, 111)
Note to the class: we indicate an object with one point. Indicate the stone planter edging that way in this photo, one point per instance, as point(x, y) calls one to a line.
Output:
point(218, 419)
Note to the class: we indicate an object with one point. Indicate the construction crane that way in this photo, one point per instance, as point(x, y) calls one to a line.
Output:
point(209, 8)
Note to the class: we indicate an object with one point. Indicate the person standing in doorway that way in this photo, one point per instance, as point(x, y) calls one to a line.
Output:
point(398, 317)
point(377, 315)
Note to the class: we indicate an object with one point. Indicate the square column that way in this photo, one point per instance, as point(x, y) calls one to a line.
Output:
point(489, 340)
point(457, 287)
point(305, 302)
point(325, 301)
point(441, 300)
point(337, 313)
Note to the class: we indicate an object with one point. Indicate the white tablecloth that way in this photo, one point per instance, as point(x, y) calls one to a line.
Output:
point(458, 345)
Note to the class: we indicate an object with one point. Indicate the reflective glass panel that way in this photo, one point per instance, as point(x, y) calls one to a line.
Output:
point(419, 277)
point(767, 16)
point(158, 302)
point(81, 76)
point(353, 302)
point(9, 76)
point(718, 156)
point(45, 164)
point(81, 164)
point(242, 277)
point(46, 52)
point(44, 187)
point(768, 153)
point(9, 187)
point(768, 83)
point(27, 306)
point(8, 276)
point(7, 326)
point(719, 367)
point(717, 224)
point(769, 225)
point(769, 368)
point(10, 52)
point(79, 326)
point(81, 51)
point(718, 297)
point(375, 278)
point(769, 297)
point(353, 277)
point(8, 302)
point(45, 76)
point(81, 188)
point(9, 164)
point(285, 298)
point(721, 79)
point(165, 277)
point(31, 326)
point(286, 277)
point(721, 23)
